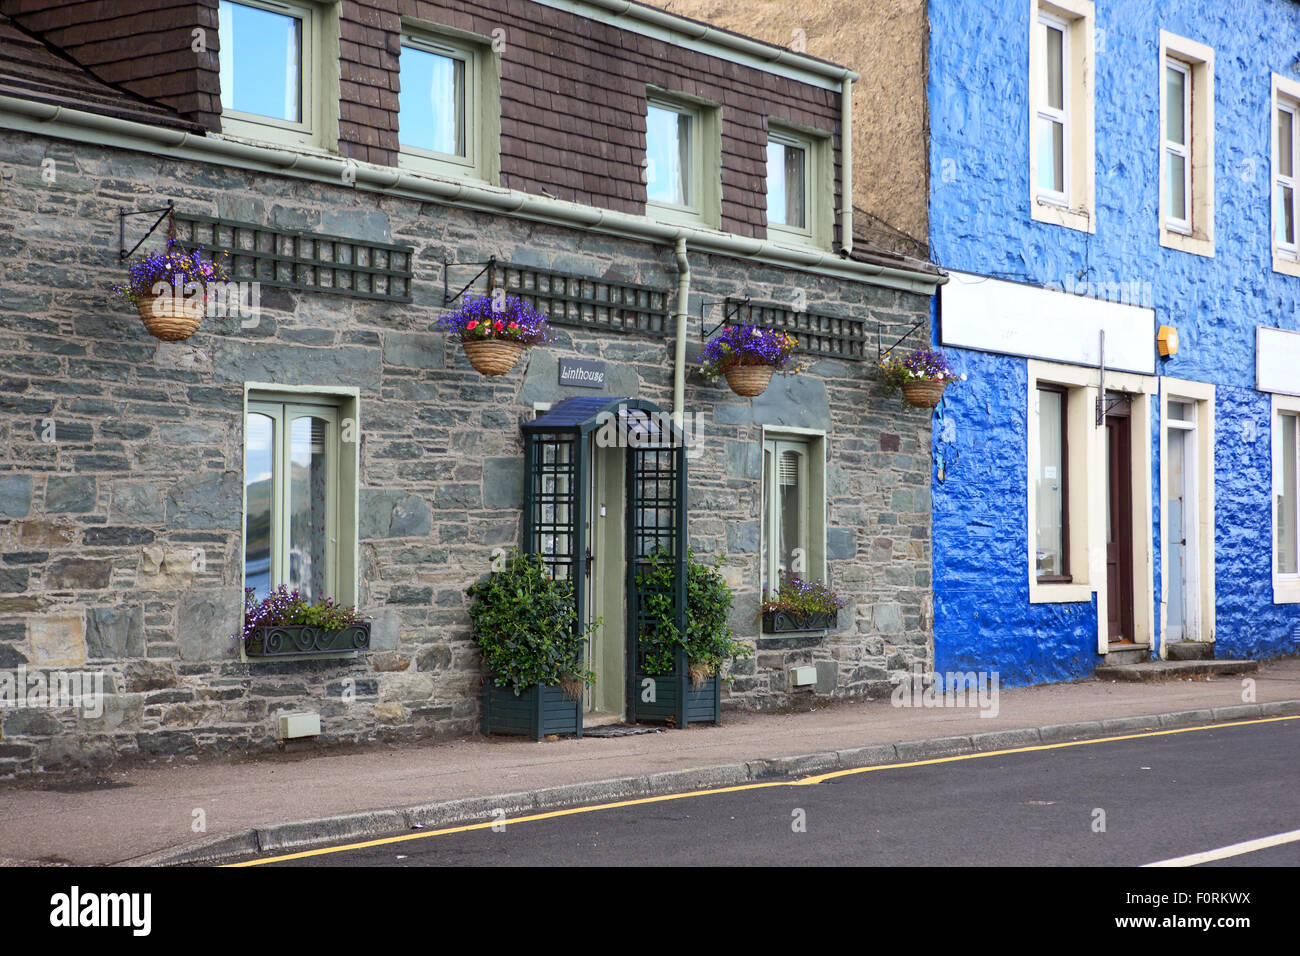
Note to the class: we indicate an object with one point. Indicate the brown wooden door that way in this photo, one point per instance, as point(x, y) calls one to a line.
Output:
point(1119, 528)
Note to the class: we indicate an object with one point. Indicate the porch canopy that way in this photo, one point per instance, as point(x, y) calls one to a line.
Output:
point(558, 448)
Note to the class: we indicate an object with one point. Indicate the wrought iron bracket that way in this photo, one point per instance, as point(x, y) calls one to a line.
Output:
point(489, 266)
point(731, 307)
point(165, 212)
point(880, 356)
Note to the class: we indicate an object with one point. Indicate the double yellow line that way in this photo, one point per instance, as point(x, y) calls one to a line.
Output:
point(801, 782)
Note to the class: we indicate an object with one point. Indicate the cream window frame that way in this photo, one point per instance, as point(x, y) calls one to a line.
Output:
point(342, 406)
point(482, 162)
point(1286, 587)
point(705, 205)
point(1201, 397)
point(1195, 234)
point(812, 446)
point(1075, 208)
point(318, 82)
point(1087, 507)
point(1285, 94)
point(818, 187)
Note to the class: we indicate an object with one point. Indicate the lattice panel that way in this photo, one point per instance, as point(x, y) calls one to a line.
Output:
point(555, 486)
point(310, 262)
point(822, 335)
point(590, 303)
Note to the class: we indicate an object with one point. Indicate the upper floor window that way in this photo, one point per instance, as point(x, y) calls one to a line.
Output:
point(1186, 145)
point(441, 119)
point(1286, 142)
point(1061, 152)
point(683, 161)
point(269, 66)
point(798, 185)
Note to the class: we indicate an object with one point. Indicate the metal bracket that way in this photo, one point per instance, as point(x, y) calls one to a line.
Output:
point(731, 307)
point(489, 266)
point(165, 213)
point(880, 356)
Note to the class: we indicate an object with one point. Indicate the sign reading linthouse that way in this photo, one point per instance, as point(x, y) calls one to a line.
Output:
point(582, 373)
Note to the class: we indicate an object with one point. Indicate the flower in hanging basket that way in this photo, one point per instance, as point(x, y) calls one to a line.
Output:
point(747, 355)
point(922, 375)
point(170, 290)
point(495, 336)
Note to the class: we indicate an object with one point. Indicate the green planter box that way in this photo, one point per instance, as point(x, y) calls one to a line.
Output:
point(678, 701)
point(299, 640)
point(782, 622)
point(536, 712)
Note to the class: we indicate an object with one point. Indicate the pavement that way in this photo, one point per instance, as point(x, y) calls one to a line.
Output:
point(191, 810)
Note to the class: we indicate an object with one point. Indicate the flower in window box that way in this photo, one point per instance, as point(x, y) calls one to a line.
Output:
point(799, 605)
point(922, 375)
point(494, 336)
point(747, 356)
point(284, 623)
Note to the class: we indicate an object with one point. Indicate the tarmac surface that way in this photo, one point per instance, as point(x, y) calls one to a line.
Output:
point(151, 813)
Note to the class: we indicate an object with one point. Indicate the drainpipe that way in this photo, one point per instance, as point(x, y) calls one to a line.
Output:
point(846, 164)
point(683, 320)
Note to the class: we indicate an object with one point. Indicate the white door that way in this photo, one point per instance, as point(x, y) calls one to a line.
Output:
point(1181, 545)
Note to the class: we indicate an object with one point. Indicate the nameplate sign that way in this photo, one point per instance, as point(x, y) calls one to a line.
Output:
point(582, 373)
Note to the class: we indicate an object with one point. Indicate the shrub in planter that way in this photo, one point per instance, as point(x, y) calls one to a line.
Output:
point(921, 374)
point(526, 625)
point(708, 642)
point(494, 337)
point(170, 290)
point(800, 605)
point(285, 624)
point(748, 356)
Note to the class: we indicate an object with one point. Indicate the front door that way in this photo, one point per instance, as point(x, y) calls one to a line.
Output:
point(607, 648)
point(1181, 623)
point(1119, 527)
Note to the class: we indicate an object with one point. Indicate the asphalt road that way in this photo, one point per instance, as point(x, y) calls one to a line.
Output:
point(1162, 797)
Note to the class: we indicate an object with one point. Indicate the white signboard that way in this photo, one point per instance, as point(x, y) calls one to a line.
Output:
point(993, 315)
point(1277, 361)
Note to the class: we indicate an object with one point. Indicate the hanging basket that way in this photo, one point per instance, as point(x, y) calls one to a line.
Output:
point(170, 319)
point(749, 380)
point(492, 356)
point(923, 394)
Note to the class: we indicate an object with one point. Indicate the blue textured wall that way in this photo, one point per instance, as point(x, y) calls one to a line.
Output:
point(980, 223)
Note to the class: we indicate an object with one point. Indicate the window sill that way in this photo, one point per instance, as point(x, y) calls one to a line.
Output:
point(428, 166)
point(1197, 245)
point(1289, 267)
point(1286, 591)
point(1059, 593)
point(1080, 219)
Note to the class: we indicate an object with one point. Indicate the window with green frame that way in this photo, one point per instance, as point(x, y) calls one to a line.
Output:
point(299, 493)
point(793, 525)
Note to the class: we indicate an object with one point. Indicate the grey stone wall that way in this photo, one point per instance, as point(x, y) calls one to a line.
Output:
point(101, 517)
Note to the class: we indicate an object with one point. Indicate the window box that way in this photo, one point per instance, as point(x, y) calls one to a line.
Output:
point(783, 622)
point(537, 712)
point(299, 640)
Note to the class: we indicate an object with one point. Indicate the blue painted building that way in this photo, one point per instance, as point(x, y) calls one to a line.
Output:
point(1111, 181)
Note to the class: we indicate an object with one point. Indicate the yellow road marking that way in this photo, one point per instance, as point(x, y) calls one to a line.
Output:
point(802, 782)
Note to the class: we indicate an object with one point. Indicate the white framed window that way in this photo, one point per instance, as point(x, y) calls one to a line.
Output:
point(793, 520)
point(1186, 145)
point(272, 63)
point(1061, 148)
point(1286, 205)
point(798, 186)
point(300, 492)
point(449, 104)
point(683, 160)
point(1176, 149)
point(1286, 499)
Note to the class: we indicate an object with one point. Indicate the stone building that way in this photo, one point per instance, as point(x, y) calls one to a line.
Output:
point(616, 168)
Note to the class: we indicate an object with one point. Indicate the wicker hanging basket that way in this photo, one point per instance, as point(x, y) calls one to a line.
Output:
point(492, 356)
point(168, 317)
point(923, 394)
point(749, 380)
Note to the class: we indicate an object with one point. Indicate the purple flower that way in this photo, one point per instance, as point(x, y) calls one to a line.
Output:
point(746, 345)
point(478, 318)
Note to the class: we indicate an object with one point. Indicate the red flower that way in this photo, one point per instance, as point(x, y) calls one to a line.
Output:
point(471, 324)
point(513, 325)
point(499, 325)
